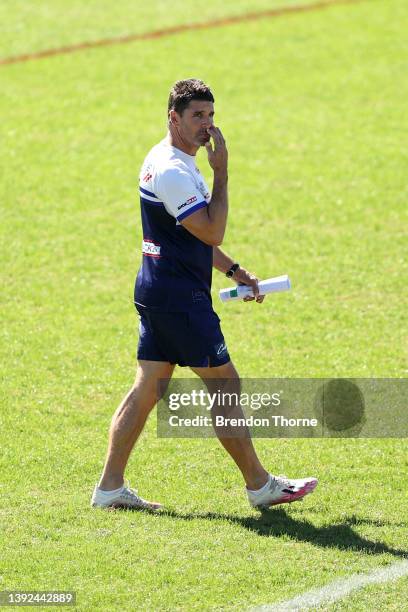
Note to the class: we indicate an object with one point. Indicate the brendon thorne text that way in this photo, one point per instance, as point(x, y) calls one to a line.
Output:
point(251, 421)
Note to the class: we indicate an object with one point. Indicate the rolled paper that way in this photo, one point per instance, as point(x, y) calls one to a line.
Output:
point(270, 285)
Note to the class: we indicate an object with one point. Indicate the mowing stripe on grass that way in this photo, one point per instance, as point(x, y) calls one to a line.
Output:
point(214, 23)
point(338, 589)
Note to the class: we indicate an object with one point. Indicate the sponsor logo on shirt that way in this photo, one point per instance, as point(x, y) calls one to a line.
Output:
point(198, 295)
point(204, 191)
point(147, 173)
point(189, 201)
point(150, 249)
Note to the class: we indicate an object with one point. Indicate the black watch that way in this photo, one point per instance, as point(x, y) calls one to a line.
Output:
point(232, 270)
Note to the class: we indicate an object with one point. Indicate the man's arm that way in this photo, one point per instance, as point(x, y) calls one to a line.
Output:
point(208, 224)
point(223, 263)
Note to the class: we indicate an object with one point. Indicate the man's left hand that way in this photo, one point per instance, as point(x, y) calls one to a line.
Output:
point(243, 277)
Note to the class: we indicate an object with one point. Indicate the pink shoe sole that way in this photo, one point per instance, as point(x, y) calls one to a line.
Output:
point(288, 499)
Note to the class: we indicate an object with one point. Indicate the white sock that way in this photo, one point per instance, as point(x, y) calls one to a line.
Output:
point(262, 489)
point(109, 493)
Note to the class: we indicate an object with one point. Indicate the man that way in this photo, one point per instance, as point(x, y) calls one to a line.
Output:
point(183, 228)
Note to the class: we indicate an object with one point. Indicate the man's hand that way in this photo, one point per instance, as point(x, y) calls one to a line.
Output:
point(217, 157)
point(243, 277)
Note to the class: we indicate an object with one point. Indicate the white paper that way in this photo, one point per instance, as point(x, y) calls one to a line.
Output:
point(270, 285)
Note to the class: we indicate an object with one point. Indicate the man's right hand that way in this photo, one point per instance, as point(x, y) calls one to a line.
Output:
point(217, 156)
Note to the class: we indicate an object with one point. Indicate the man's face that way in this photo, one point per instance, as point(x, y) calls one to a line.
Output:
point(192, 125)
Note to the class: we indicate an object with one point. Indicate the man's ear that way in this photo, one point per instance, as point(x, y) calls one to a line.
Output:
point(173, 117)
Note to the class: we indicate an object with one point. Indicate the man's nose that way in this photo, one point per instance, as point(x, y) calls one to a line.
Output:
point(207, 122)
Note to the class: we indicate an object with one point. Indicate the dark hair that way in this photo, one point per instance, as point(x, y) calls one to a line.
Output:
point(183, 92)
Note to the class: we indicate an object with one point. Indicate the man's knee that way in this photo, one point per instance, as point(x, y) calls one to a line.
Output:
point(142, 396)
point(148, 389)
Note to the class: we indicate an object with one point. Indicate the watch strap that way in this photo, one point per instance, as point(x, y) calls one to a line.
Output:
point(232, 270)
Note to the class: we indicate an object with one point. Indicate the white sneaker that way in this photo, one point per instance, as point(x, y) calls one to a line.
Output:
point(281, 490)
point(125, 498)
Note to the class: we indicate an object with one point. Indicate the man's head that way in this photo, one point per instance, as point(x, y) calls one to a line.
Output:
point(190, 112)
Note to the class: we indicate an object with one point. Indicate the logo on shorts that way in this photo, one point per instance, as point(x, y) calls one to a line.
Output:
point(188, 202)
point(221, 349)
point(150, 249)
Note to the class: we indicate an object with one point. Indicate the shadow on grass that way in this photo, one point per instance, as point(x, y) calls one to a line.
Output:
point(276, 523)
point(357, 520)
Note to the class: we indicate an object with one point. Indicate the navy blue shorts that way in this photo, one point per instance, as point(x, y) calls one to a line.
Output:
point(184, 338)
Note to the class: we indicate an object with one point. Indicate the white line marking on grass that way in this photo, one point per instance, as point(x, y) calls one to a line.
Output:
point(338, 589)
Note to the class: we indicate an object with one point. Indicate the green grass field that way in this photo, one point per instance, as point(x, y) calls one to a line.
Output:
point(314, 110)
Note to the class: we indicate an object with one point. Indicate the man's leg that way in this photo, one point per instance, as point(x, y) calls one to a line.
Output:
point(241, 449)
point(263, 489)
point(130, 418)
